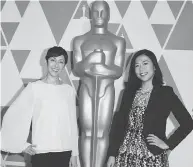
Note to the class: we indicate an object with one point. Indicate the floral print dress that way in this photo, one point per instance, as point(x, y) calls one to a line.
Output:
point(134, 152)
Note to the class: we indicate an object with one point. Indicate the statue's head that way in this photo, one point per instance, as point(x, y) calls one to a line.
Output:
point(100, 13)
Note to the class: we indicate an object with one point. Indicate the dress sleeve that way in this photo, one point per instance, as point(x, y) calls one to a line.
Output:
point(16, 122)
point(74, 126)
point(183, 117)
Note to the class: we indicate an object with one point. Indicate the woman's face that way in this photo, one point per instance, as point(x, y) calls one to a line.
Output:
point(55, 65)
point(144, 68)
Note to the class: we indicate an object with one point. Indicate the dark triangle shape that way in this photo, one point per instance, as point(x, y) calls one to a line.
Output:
point(128, 56)
point(20, 57)
point(2, 4)
point(9, 30)
point(168, 76)
point(22, 5)
point(2, 41)
point(65, 77)
point(122, 6)
point(2, 53)
point(76, 84)
point(27, 80)
point(182, 35)
point(82, 11)
point(175, 7)
point(58, 14)
point(76, 87)
point(113, 27)
point(124, 33)
point(161, 31)
point(69, 64)
point(149, 7)
point(3, 111)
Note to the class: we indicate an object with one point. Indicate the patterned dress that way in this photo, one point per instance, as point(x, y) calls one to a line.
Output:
point(133, 152)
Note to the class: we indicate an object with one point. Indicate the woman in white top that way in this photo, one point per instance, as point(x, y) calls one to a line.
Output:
point(50, 105)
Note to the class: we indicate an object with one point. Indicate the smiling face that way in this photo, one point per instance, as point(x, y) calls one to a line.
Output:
point(144, 69)
point(55, 65)
point(100, 13)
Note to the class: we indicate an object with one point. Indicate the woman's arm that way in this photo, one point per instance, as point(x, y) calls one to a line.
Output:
point(16, 122)
point(183, 117)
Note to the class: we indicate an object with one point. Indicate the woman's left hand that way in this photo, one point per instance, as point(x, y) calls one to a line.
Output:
point(73, 161)
point(154, 140)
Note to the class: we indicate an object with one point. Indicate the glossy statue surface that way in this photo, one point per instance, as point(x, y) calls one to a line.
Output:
point(98, 58)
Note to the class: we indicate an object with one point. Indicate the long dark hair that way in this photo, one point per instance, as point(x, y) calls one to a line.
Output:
point(134, 83)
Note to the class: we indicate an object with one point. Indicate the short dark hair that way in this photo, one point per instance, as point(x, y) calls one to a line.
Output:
point(133, 81)
point(55, 52)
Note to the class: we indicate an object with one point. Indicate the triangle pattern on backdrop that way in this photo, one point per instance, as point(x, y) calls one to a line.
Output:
point(122, 6)
point(76, 84)
point(149, 7)
point(40, 38)
point(2, 53)
point(9, 30)
point(3, 111)
point(69, 64)
point(9, 74)
point(180, 65)
point(27, 80)
point(2, 40)
point(162, 31)
point(65, 77)
point(115, 16)
point(20, 57)
point(72, 31)
point(182, 35)
point(2, 4)
point(22, 5)
point(175, 6)
point(113, 27)
point(82, 11)
point(10, 12)
point(58, 19)
point(35, 66)
point(122, 33)
point(160, 17)
point(168, 76)
point(138, 35)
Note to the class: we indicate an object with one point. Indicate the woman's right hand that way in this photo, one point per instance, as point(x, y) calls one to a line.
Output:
point(30, 150)
point(111, 161)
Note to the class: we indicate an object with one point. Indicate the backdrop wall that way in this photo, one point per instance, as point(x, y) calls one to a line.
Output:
point(28, 28)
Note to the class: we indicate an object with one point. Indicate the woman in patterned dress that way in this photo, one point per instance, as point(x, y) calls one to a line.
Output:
point(137, 136)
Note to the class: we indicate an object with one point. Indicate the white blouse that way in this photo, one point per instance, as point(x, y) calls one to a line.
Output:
point(52, 110)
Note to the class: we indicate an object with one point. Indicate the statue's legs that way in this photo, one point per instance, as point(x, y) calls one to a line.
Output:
point(94, 145)
point(105, 113)
point(86, 126)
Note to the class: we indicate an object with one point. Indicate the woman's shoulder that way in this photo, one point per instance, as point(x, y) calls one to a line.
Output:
point(34, 82)
point(165, 90)
point(165, 87)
